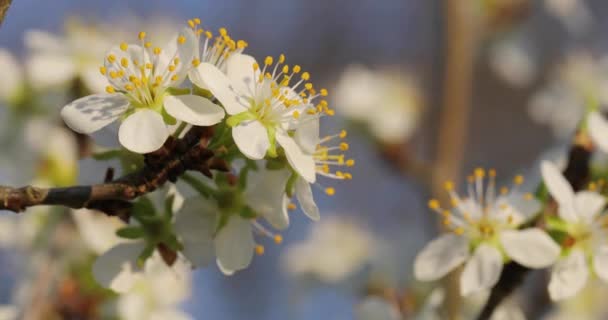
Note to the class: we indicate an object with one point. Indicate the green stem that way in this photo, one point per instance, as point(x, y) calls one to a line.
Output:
point(198, 185)
point(179, 130)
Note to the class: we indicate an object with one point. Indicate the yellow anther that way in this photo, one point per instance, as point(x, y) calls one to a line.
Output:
point(510, 219)
point(459, 231)
point(592, 186)
point(171, 68)
point(518, 180)
point(480, 173)
point(113, 74)
point(141, 35)
point(434, 204)
point(296, 114)
point(176, 61)
point(323, 92)
point(448, 185)
point(110, 89)
point(157, 51)
point(344, 146)
point(446, 213)
point(149, 65)
point(281, 58)
point(148, 44)
point(330, 112)
point(241, 44)
point(129, 87)
point(208, 34)
point(102, 70)
point(111, 58)
point(174, 77)
point(308, 86)
point(348, 176)
point(350, 162)
point(259, 250)
point(291, 206)
point(197, 20)
point(330, 191)
point(492, 173)
point(196, 62)
point(223, 32)
point(528, 196)
point(343, 134)
point(447, 221)
point(191, 24)
point(504, 190)
point(454, 202)
point(256, 66)
point(124, 46)
point(311, 111)
point(278, 239)
point(268, 60)
point(285, 69)
point(124, 62)
point(296, 69)
point(181, 39)
point(306, 76)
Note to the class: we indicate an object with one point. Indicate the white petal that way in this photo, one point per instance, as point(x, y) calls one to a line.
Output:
point(117, 268)
point(97, 229)
point(91, 113)
point(598, 130)
point(239, 69)
point(252, 139)
point(39, 40)
point(588, 204)
point(195, 225)
point(143, 132)
point(307, 135)
point(45, 71)
point(265, 194)
point(306, 200)
point(441, 256)
point(194, 110)
point(234, 244)
point(569, 276)
point(222, 88)
point(560, 189)
point(524, 207)
point(600, 262)
point(94, 80)
point(303, 164)
point(482, 270)
point(532, 247)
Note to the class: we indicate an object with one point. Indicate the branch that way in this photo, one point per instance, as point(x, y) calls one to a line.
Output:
point(112, 197)
point(577, 173)
point(4, 5)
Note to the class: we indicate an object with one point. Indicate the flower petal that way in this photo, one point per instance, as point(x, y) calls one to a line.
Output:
point(306, 200)
point(234, 245)
point(222, 88)
point(307, 135)
point(482, 270)
point(598, 130)
point(600, 262)
point(375, 308)
point(11, 82)
point(194, 225)
point(569, 276)
point(302, 163)
point(91, 113)
point(47, 70)
point(194, 110)
point(532, 247)
point(265, 194)
point(560, 189)
point(97, 230)
point(441, 256)
point(143, 132)
point(252, 139)
point(117, 268)
point(588, 204)
point(239, 69)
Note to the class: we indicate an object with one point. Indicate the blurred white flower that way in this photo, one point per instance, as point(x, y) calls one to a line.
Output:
point(598, 130)
point(484, 234)
point(574, 14)
point(97, 230)
point(8, 312)
point(375, 308)
point(157, 293)
point(387, 102)
point(585, 245)
point(513, 62)
point(233, 244)
point(11, 82)
point(263, 106)
point(578, 84)
point(139, 78)
point(589, 303)
point(334, 250)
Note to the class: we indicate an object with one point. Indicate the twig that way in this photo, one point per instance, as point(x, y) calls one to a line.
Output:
point(577, 172)
point(166, 164)
point(4, 5)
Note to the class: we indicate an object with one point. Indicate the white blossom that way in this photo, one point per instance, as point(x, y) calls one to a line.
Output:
point(375, 308)
point(585, 245)
point(11, 82)
point(484, 234)
point(139, 77)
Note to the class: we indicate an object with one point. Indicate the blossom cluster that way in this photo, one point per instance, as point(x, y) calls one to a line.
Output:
point(266, 118)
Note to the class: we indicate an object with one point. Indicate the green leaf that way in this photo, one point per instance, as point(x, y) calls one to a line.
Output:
point(144, 207)
point(130, 232)
point(169, 206)
point(248, 213)
point(291, 184)
point(145, 254)
point(173, 244)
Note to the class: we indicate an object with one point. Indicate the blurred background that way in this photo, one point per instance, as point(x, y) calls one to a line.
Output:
point(428, 91)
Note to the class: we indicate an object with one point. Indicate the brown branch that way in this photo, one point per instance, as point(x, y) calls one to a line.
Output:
point(166, 164)
point(4, 5)
point(577, 173)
